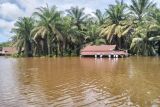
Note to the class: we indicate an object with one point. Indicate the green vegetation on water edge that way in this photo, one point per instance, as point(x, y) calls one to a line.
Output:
point(49, 32)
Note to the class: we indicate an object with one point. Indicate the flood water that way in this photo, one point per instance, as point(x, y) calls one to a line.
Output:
point(80, 82)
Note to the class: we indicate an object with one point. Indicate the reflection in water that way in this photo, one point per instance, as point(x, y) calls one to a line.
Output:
point(74, 82)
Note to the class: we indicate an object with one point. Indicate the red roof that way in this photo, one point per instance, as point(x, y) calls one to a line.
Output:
point(9, 50)
point(101, 50)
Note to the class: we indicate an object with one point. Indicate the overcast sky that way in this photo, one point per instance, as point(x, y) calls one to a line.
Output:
point(10, 10)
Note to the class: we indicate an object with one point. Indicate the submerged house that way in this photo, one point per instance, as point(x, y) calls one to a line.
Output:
point(8, 51)
point(102, 51)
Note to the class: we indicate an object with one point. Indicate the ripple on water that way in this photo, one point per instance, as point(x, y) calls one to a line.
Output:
point(74, 82)
point(87, 94)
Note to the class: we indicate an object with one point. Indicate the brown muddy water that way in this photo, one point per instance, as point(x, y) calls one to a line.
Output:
point(80, 82)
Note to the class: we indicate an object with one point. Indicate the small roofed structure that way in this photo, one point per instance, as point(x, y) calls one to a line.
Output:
point(8, 51)
point(102, 50)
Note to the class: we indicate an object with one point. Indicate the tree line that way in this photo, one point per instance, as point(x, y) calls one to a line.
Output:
point(49, 32)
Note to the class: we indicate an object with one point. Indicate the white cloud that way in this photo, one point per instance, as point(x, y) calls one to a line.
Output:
point(10, 11)
point(5, 28)
point(30, 5)
point(5, 25)
point(4, 36)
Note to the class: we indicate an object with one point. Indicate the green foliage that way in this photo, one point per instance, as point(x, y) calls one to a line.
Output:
point(139, 8)
point(101, 17)
point(54, 33)
point(143, 41)
point(78, 16)
point(117, 25)
point(22, 39)
point(5, 44)
point(47, 29)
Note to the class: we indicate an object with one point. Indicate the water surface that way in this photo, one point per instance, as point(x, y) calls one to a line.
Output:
point(80, 82)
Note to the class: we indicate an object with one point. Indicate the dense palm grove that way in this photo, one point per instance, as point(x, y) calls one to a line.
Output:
point(49, 32)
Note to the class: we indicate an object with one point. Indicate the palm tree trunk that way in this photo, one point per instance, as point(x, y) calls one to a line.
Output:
point(78, 26)
point(78, 50)
point(70, 50)
point(119, 43)
point(49, 45)
point(45, 47)
point(61, 48)
point(159, 48)
point(57, 51)
point(25, 49)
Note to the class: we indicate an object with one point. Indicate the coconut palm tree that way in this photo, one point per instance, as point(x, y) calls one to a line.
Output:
point(78, 19)
point(139, 8)
point(78, 16)
point(143, 42)
point(144, 46)
point(68, 35)
point(47, 27)
point(100, 16)
point(22, 29)
point(155, 26)
point(91, 34)
point(76, 39)
point(154, 15)
point(146, 39)
point(117, 26)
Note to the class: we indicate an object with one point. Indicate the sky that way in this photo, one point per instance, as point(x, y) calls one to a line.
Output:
point(10, 10)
